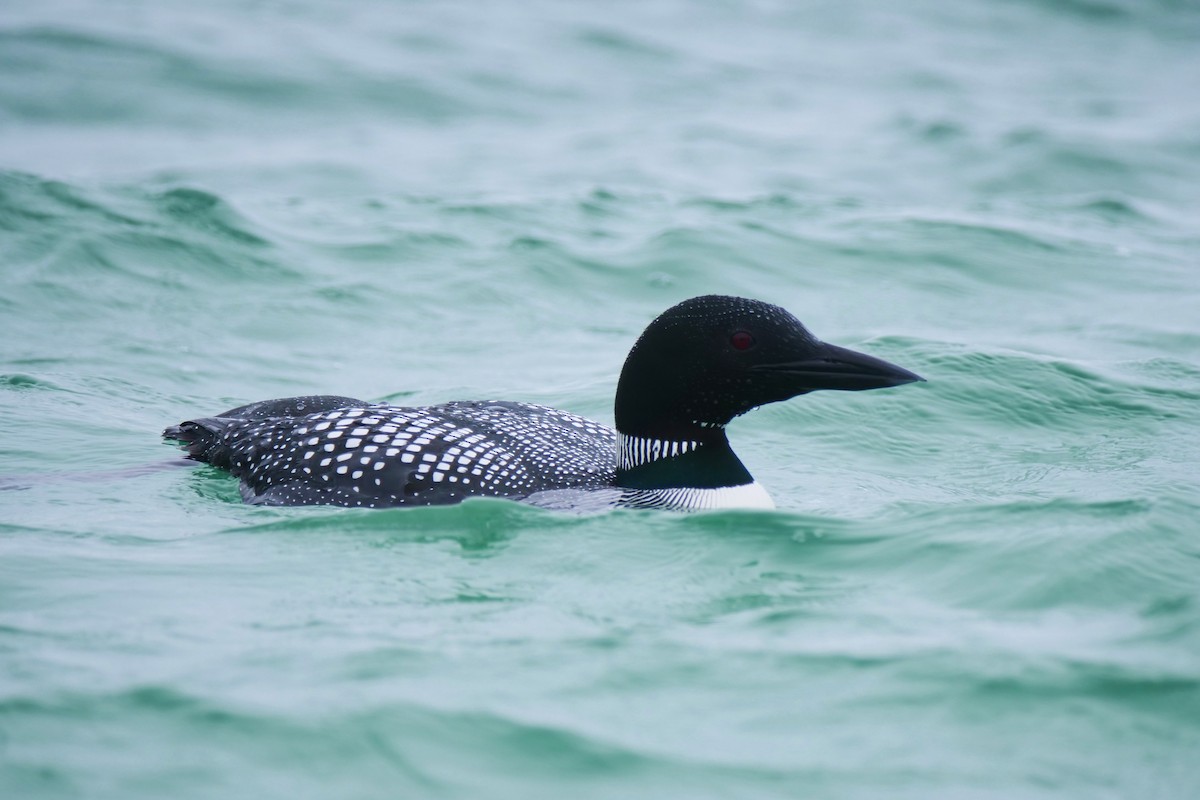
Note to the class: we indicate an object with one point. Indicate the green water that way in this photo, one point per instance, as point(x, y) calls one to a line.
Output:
point(985, 586)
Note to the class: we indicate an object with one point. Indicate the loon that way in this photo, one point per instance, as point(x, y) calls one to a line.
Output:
point(696, 367)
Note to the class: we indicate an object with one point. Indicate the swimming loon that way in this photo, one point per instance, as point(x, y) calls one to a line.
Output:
point(696, 367)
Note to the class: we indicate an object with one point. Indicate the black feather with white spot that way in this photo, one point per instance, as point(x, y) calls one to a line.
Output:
point(381, 455)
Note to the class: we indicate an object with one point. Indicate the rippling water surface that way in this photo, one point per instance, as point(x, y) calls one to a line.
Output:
point(985, 586)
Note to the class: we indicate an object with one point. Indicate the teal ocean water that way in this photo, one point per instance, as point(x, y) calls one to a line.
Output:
point(984, 586)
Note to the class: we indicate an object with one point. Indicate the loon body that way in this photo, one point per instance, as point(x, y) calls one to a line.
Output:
point(696, 367)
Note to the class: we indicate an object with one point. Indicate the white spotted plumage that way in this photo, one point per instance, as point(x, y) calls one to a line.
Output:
point(382, 455)
point(434, 454)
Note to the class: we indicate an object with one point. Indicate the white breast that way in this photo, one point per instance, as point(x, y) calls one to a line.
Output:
point(749, 495)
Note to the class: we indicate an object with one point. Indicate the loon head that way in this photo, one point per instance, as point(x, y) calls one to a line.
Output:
point(708, 359)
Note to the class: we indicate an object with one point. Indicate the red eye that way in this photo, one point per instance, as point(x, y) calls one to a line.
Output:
point(742, 340)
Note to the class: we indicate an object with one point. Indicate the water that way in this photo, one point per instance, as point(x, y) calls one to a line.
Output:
point(986, 586)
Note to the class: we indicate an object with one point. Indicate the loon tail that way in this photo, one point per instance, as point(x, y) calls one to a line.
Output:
point(201, 439)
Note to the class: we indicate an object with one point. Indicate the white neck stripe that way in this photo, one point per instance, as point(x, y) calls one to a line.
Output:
point(633, 451)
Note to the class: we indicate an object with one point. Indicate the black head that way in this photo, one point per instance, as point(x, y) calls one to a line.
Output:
point(709, 359)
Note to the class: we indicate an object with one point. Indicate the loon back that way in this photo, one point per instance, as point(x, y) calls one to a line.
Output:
point(372, 455)
point(696, 367)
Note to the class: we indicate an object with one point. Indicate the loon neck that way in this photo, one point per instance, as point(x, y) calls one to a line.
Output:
point(699, 458)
